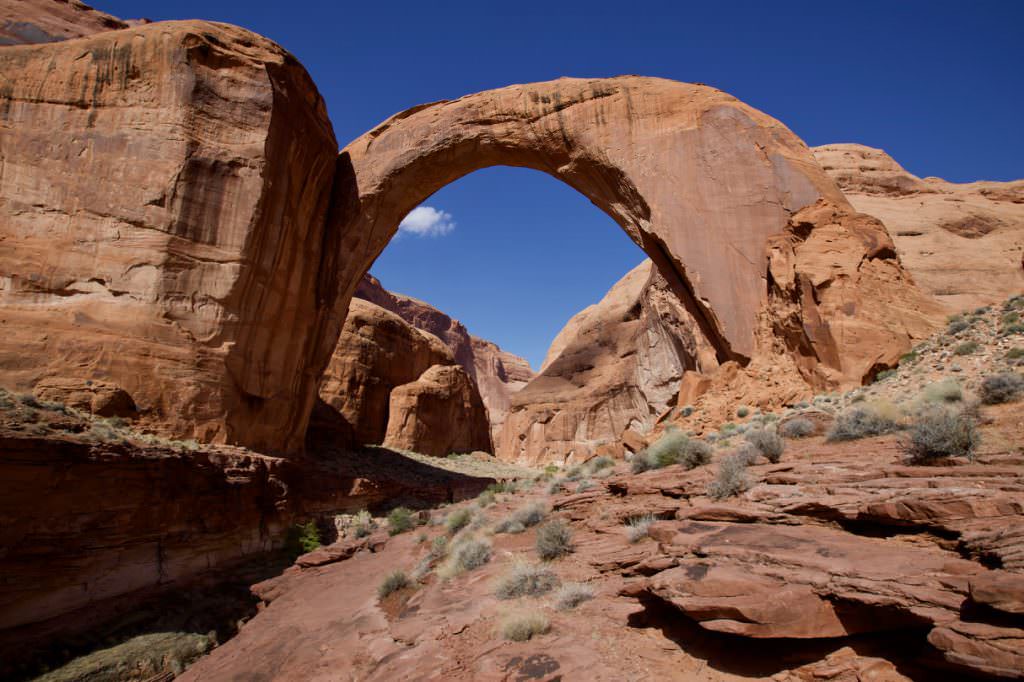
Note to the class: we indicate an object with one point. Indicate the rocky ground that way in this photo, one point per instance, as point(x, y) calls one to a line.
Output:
point(842, 561)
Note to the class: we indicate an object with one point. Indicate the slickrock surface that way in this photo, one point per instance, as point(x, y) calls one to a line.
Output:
point(615, 366)
point(98, 517)
point(46, 21)
point(497, 373)
point(438, 414)
point(840, 562)
point(962, 242)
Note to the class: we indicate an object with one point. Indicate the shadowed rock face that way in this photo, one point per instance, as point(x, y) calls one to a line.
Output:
point(497, 373)
point(209, 275)
point(962, 242)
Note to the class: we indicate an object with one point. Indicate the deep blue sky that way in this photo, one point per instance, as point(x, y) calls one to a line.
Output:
point(939, 85)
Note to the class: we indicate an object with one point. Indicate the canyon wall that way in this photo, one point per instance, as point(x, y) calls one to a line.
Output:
point(962, 242)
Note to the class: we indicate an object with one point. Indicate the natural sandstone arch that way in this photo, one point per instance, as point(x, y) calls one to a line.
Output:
point(210, 271)
point(695, 177)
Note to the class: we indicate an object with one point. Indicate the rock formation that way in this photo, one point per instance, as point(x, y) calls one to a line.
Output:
point(963, 243)
point(615, 366)
point(439, 413)
point(497, 373)
point(377, 352)
point(24, 22)
point(209, 276)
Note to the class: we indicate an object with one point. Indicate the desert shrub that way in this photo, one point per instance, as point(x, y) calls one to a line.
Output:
point(885, 374)
point(638, 527)
point(575, 473)
point(464, 555)
point(522, 627)
point(742, 412)
point(602, 462)
point(571, 595)
point(584, 485)
point(531, 514)
point(1013, 329)
point(362, 524)
point(510, 526)
point(940, 433)
point(554, 540)
point(438, 548)
point(1010, 318)
point(555, 487)
point(798, 428)
point(525, 580)
point(1001, 388)
point(957, 326)
point(400, 520)
point(485, 499)
point(732, 477)
point(908, 358)
point(1015, 354)
point(860, 422)
point(768, 443)
point(394, 581)
point(1014, 302)
point(502, 487)
point(551, 469)
point(667, 449)
point(967, 348)
point(302, 538)
point(687, 410)
point(640, 463)
point(945, 391)
point(457, 520)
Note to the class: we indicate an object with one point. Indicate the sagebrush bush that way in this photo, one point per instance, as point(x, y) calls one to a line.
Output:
point(571, 595)
point(510, 526)
point(1001, 388)
point(394, 581)
point(968, 348)
point(485, 499)
point(940, 433)
point(668, 449)
point(554, 540)
point(575, 473)
point(555, 487)
point(522, 627)
point(767, 442)
point(598, 463)
point(674, 447)
point(885, 374)
point(1017, 328)
point(860, 422)
point(945, 391)
point(732, 477)
point(502, 487)
point(742, 412)
point(362, 524)
point(465, 555)
point(400, 520)
point(457, 520)
point(957, 326)
point(584, 485)
point(798, 428)
point(1015, 354)
point(531, 514)
point(525, 580)
point(638, 527)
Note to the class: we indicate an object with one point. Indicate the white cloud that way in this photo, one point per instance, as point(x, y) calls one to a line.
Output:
point(425, 221)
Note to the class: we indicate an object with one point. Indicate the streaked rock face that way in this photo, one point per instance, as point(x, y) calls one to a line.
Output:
point(25, 22)
point(962, 242)
point(163, 199)
point(209, 273)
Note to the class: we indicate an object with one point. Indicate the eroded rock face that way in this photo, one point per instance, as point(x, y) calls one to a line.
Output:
point(188, 276)
point(377, 352)
point(210, 274)
point(24, 22)
point(497, 373)
point(438, 414)
point(963, 243)
point(615, 366)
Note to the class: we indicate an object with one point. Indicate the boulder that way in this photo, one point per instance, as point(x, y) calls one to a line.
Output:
point(24, 22)
point(438, 414)
point(98, 397)
point(377, 352)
